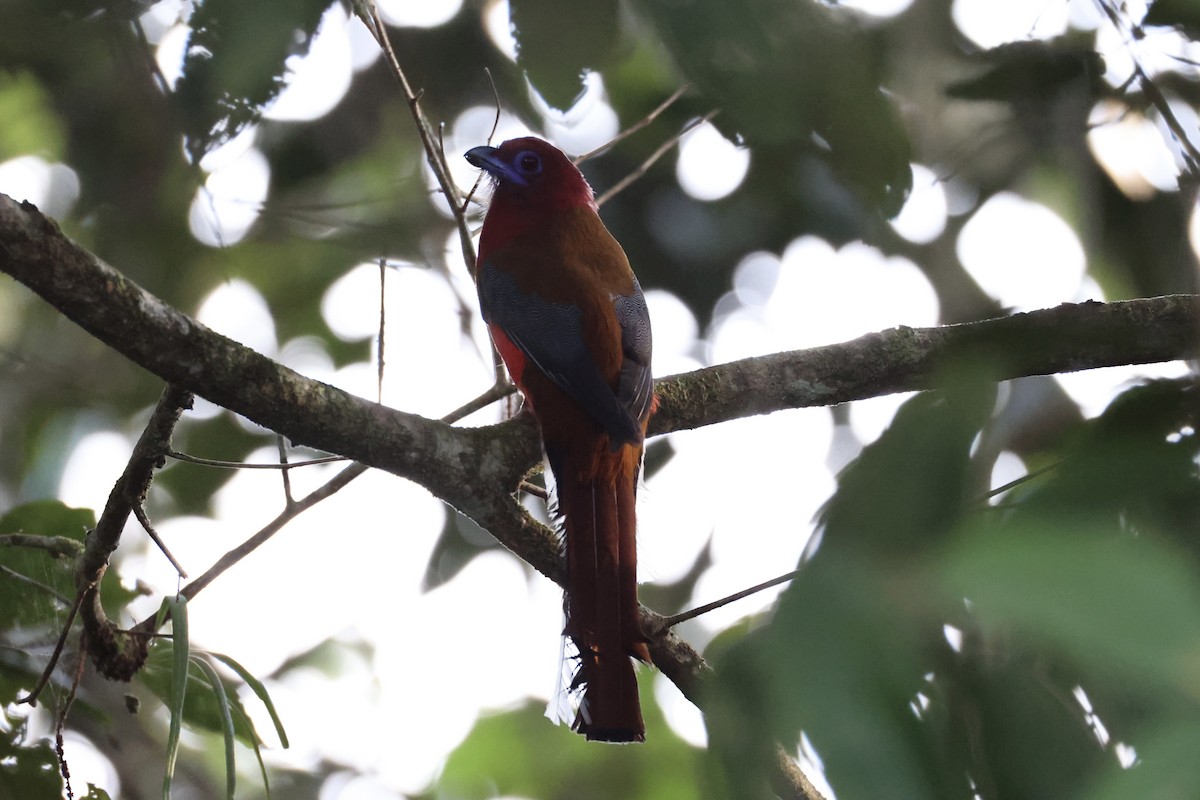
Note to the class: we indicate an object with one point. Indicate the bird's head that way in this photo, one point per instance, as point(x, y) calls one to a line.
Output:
point(533, 173)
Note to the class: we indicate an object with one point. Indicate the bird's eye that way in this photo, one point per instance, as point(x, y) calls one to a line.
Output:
point(529, 162)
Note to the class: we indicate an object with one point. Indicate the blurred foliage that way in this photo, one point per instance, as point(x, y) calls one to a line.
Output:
point(235, 64)
point(1080, 583)
point(558, 45)
point(506, 755)
point(1072, 605)
point(794, 80)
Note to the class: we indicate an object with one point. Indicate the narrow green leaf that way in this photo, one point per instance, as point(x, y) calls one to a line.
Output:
point(218, 689)
point(179, 678)
point(257, 745)
point(260, 692)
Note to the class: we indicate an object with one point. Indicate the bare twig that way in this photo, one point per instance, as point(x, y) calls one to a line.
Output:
point(50, 590)
point(684, 616)
point(1191, 155)
point(212, 462)
point(33, 695)
point(635, 127)
point(139, 511)
point(285, 471)
point(379, 358)
point(497, 392)
point(297, 507)
point(60, 723)
point(999, 490)
point(332, 487)
point(495, 126)
point(645, 166)
point(534, 489)
point(434, 154)
point(437, 162)
point(57, 546)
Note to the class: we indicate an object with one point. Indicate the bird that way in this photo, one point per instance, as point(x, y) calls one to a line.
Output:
point(569, 319)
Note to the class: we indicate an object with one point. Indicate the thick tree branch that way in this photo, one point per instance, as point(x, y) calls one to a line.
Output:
point(1068, 338)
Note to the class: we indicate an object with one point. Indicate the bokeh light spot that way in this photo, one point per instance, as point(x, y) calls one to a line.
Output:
point(1131, 150)
point(230, 200)
point(710, 166)
point(497, 20)
point(878, 8)
point(421, 14)
point(1022, 253)
point(990, 24)
point(237, 310)
point(318, 80)
point(923, 217)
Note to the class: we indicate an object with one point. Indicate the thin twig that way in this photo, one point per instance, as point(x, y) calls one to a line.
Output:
point(495, 126)
point(635, 127)
point(61, 722)
point(1017, 482)
point(441, 170)
point(139, 511)
point(1191, 155)
point(57, 546)
point(114, 655)
point(379, 359)
point(684, 616)
point(211, 462)
point(339, 481)
point(50, 590)
point(295, 509)
point(32, 697)
point(662, 150)
point(285, 471)
point(434, 155)
point(497, 392)
point(533, 489)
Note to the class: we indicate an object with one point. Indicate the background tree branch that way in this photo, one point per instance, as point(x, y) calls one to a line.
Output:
point(476, 469)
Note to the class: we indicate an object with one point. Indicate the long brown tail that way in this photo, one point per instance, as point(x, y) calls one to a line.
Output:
point(598, 503)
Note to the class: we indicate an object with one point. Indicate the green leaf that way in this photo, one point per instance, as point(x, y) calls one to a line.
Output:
point(784, 73)
point(179, 681)
point(37, 583)
point(202, 708)
point(222, 700)
point(260, 692)
point(211, 704)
